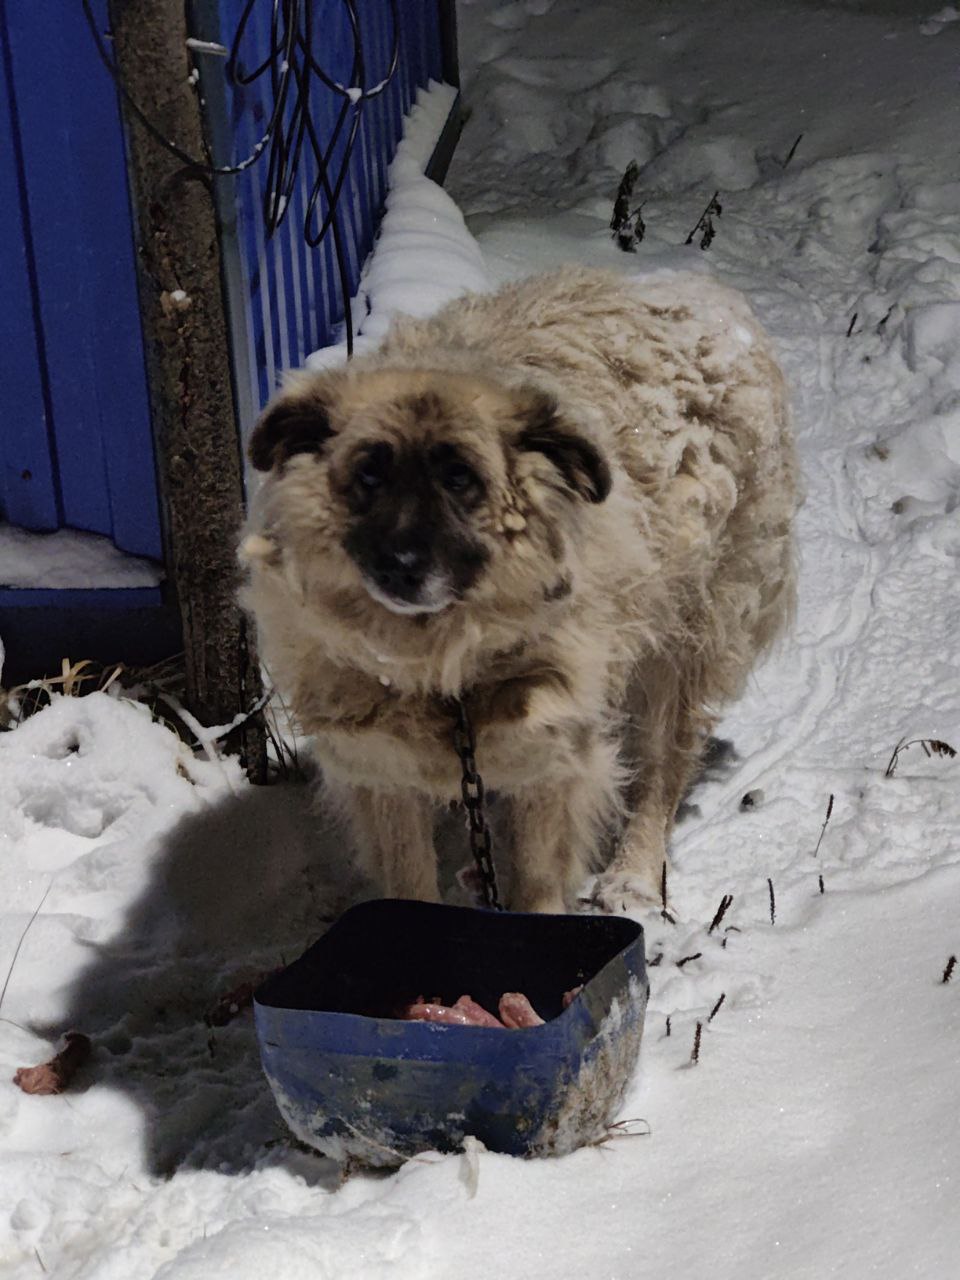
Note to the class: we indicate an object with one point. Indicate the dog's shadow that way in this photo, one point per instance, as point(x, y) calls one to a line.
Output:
point(239, 889)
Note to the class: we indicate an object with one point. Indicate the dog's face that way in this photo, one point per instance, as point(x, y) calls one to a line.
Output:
point(417, 489)
point(410, 505)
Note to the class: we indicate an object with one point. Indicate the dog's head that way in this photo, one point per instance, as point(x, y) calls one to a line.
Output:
point(422, 489)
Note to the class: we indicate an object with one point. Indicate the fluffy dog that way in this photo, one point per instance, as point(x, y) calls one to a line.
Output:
point(568, 504)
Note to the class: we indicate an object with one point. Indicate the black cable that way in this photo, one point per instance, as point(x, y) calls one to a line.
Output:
point(292, 67)
point(158, 135)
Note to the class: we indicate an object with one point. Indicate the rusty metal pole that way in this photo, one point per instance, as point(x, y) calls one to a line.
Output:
point(188, 363)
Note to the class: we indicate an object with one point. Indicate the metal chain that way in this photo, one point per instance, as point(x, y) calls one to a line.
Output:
point(471, 787)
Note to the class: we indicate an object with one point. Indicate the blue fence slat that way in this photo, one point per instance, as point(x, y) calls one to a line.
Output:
point(251, 125)
point(416, 49)
point(377, 138)
point(376, 122)
point(405, 69)
point(74, 172)
point(28, 490)
point(313, 283)
point(393, 106)
point(432, 45)
point(336, 53)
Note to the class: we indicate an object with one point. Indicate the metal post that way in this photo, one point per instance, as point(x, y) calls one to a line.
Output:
point(188, 362)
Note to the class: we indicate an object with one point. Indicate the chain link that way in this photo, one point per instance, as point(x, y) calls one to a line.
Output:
point(471, 788)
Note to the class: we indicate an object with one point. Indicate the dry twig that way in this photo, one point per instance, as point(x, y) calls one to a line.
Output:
point(792, 151)
point(931, 747)
point(695, 1053)
point(722, 910)
point(716, 1008)
point(16, 950)
point(621, 1129)
point(664, 913)
point(705, 223)
point(627, 224)
point(824, 827)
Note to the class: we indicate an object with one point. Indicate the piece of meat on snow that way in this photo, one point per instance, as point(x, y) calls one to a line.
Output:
point(55, 1075)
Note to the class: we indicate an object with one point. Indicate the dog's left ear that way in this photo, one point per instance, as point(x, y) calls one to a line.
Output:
point(581, 464)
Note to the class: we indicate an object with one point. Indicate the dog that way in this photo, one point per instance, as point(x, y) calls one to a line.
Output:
point(567, 504)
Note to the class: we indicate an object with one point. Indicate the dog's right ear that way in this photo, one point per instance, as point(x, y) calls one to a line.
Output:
point(290, 425)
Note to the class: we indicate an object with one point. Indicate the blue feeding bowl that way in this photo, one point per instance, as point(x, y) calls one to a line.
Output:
point(352, 1080)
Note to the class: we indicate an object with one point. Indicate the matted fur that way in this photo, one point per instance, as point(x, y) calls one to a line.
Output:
point(601, 634)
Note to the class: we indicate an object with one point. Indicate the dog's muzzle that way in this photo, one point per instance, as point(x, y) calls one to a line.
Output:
point(403, 581)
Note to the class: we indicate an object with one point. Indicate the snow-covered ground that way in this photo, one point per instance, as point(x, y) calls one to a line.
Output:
point(818, 1134)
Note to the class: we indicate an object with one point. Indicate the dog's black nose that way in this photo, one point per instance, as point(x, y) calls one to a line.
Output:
point(401, 571)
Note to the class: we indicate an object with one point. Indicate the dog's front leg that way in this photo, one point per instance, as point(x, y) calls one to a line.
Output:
point(393, 834)
point(553, 825)
point(664, 732)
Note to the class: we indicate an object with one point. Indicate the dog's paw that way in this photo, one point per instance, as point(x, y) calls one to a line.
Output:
point(620, 892)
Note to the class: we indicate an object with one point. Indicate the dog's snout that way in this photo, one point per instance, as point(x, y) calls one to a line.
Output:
point(401, 571)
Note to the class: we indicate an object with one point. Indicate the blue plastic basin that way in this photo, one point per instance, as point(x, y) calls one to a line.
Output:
point(352, 1081)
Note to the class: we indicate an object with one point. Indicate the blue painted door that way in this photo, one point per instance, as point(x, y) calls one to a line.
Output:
point(76, 448)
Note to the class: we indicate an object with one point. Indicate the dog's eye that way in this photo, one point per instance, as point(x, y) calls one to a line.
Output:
point(370, 477)
point(374, 468)
point(456, 477)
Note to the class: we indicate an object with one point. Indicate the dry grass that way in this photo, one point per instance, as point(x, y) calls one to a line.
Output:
point(931, 747)
point(161, 688)
point(142, 684)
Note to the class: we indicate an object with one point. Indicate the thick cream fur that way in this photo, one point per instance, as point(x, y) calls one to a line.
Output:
point(598, 643)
